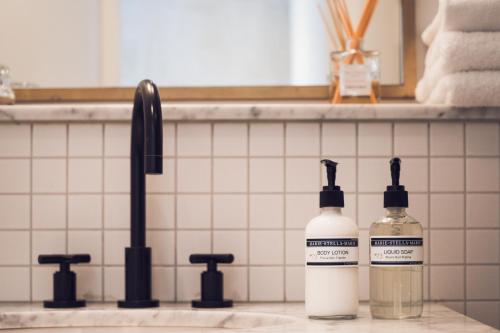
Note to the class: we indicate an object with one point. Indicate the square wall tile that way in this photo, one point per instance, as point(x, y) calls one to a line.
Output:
point(162, 245)
point(482, 139)
point(14, 284)
point(483, 247)
point(338, 139)
point(482, 282)
point(483, 210)
point(302, 139)
point(295, 284)
point(447, 211)
point(414, 174)
point(410, 139)
point(350, 206)
point(193, 175)
point(266, 174)
point(84, 211)
point(447, 139)
point(88, 241)
point(14, 247)
point(49, 211)
point(194, 139)
point(160, 211)
point(117, 140)
point(483, 174)
point(230, 139)
point(117, 211)
point(49, 175)
point(164, 183)
point(15, 211)
point(230, 211)
point(189, 242)
point(116, 175)
point(85, 175)
point(115, 242)
point(266, 284)
point(169, 139)
point(375, 139)
point(373, 174)
point(114, 283)
point(447, 174)
point(302, 175)
point(15, 176)
point(193, 211)
point(300, 209)
point(447, 246)
point(188, 283)
point(230, 174)
point(234, 242)
point(85, 140)
point(163, 283)
point(16, 140)
point(295, 247)
point(47, 242)
point(266, 247)
point(266, 139)
point(235, 283)
point(89, 282)
point(42, 282)
point(49, 140)
point(419, 208)
point(485, 312)
point(266, 211)
point(447, 283)
point(346, 174)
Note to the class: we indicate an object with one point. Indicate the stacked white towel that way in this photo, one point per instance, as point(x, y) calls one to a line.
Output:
point(462, 66)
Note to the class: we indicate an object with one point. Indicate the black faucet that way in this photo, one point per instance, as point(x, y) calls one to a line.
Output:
point(146, 157)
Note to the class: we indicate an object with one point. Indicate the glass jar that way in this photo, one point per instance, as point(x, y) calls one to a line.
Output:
point(355, 75)
point(7, 95)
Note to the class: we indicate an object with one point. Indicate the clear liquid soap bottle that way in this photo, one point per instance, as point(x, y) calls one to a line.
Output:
point(396, 257)
point(331, 257)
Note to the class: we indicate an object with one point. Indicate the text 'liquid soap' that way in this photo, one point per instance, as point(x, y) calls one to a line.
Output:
point(331, 256)
point(396, 257)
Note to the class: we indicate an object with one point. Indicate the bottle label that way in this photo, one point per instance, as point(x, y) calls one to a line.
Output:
point(332, 252)
point(396, 250)
point(354, 80)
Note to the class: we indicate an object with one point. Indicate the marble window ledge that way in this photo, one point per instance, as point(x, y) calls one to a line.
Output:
point(244, 112)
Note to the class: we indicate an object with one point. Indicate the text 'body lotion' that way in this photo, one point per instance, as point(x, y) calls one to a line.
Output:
point(396, 257)
point(331, 256)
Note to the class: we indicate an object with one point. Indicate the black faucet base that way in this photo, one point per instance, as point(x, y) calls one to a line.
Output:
point(148, 303)
point(226, 303)
point(64, 304)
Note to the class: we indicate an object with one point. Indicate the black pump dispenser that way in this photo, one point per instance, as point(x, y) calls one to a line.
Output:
point(395, 195)
point(331, 196)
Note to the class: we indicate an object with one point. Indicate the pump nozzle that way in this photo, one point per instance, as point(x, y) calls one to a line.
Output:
point(395, 170)
point(331, 172)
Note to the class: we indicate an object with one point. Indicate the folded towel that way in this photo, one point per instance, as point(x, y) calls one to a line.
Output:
point(453, 52)
point(467, 89)
point(464, 15)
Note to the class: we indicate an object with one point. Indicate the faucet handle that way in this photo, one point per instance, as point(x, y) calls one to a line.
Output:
point(63, 258)
point(225, 258)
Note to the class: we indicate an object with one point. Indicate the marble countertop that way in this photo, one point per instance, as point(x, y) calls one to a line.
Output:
point(244, 317)
point(243, 111)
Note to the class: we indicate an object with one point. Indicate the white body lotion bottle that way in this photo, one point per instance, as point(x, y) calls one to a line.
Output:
point(331, 290)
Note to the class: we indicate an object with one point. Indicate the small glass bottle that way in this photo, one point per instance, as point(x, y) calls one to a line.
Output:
point(7, 95)
point(396, 257)
point(355, 74)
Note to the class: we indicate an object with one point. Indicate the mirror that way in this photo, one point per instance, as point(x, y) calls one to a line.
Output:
point(183, 43)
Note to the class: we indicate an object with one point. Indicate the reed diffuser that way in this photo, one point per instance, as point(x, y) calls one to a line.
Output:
point(355, 72)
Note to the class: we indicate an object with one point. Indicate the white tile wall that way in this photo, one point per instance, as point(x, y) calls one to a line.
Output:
point(249, 189)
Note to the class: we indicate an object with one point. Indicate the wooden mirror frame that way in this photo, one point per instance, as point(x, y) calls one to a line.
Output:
point(406, 90)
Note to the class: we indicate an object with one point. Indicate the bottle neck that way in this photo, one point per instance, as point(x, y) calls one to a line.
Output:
point(331, 210)
point(395, 211)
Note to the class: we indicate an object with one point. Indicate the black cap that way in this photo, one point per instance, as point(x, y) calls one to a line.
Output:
point(395, 196)
point(331, 196)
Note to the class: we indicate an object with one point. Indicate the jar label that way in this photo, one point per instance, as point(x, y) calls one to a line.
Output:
point(332, 252)
point(354, 80)
point(396, 250)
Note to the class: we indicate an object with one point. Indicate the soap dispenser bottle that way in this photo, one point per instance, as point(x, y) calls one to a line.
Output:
point(331, 281)
point(396, 256)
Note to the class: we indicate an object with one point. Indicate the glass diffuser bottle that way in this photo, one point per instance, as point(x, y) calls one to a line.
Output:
point(355, 74)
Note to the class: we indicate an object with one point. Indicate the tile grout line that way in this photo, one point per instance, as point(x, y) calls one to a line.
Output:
point(212, 178)
point(67, 190)
point(429, 206)
point(285, 145)
point(103, 146)
point(248, 213)
point(31, 215)
point(464, 175)
point(176, 244)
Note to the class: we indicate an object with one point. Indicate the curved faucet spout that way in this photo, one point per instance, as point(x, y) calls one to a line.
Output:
point(146, 155)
